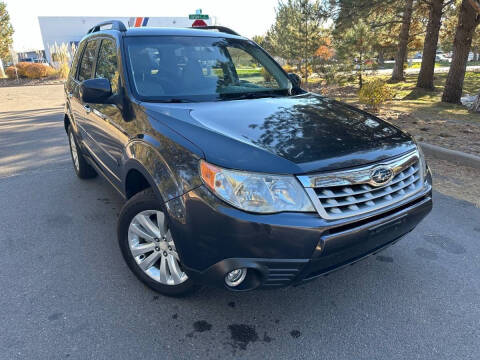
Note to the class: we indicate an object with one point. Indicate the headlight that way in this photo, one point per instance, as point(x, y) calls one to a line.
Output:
point(256, 192)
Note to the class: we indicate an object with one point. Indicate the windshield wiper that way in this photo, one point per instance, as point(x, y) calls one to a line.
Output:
point(174, 101)
point(250, 95)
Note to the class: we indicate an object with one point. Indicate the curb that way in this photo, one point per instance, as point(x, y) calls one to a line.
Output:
point(451, 155)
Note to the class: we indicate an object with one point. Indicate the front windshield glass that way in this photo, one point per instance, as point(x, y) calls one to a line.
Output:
point(182, 68)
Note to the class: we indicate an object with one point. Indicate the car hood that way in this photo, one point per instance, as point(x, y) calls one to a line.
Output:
point(296, 134)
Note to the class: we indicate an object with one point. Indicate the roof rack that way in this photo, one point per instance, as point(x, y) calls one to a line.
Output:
point(116, 25)
point(219, 28)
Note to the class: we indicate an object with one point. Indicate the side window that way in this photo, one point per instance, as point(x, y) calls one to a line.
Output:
point(88, 60)
point(78, 53)
point(249, 71)
point(107, 63)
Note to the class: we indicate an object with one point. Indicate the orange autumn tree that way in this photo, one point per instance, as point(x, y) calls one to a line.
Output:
point(323, 64)
point(325, 51)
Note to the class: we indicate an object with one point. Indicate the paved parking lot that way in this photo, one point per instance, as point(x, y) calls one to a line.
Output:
point(66, 292)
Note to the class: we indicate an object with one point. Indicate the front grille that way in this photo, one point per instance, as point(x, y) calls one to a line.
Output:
point(344, 201)
point(348, 193)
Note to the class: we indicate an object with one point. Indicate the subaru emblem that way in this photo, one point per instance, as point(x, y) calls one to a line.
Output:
point(381, 175)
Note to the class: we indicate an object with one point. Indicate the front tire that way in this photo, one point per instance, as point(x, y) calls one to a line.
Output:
point(80, 165)
point(148, 247)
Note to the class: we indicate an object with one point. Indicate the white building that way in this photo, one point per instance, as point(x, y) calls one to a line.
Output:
point(70, 29)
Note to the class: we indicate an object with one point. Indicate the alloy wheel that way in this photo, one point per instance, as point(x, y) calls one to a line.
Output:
point(152, 246)
point(73, 149)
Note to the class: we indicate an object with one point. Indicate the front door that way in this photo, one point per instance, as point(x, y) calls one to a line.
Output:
point(107, 122)
point(80, 110)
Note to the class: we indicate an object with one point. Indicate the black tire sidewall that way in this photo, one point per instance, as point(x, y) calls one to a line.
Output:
point(145, 200)
point(84, 171)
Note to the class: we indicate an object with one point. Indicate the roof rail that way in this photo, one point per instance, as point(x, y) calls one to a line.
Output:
point(116, 25)
point(219, 28)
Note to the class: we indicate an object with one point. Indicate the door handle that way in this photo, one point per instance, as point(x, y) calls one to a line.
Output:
point(87, 108)
point(100, 115)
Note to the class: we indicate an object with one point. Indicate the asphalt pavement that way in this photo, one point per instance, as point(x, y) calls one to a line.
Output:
point(65, 291)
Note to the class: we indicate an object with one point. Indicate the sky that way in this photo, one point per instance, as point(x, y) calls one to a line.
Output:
point(247, 17)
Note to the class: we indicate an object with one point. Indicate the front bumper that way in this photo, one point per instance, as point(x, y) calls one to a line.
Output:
point(281, 249)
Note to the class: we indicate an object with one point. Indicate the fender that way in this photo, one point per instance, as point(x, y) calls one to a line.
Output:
point(167, 160)
point(169, 179)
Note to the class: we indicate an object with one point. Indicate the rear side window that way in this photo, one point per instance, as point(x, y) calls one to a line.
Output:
point(88, 60)
point(107, 63)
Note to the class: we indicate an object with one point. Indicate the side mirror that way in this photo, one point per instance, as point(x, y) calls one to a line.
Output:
point(95, 91)
point(295, 79)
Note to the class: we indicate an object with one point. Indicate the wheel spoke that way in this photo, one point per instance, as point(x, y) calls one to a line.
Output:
point(175, 255)
point(142, 249)
point(174, 268)
point(162, 225)
point(169, 239)
point(150, 260)
point(140, 232)
point(148, 225)
point(163, 270)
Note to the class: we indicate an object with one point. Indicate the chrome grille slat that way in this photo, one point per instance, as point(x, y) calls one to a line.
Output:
point(342, 194)
point(378, 194)
point(370, 188)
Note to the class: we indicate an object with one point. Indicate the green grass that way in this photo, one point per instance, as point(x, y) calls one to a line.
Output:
point(418, 65)
point(426, 104)
point(249, 72)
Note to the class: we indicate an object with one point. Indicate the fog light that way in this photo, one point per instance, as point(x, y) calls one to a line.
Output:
point(235, 277)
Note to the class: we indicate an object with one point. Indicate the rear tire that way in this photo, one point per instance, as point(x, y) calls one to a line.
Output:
point(80, 165)
point(148, 247)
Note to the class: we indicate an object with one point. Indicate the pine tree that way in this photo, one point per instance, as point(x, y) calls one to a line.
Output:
point(468, 20)
point(6, 32)
point(398, 25)
point(402, 51)
point(357, 44)
point(296, 33)
point(427, 69)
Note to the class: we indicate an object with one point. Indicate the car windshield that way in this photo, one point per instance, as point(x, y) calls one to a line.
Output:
point(182, 68)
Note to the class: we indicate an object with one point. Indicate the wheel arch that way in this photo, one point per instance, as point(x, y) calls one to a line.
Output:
point(144, 165)
point(138, 178)
point(135, 181)
point(68, 119)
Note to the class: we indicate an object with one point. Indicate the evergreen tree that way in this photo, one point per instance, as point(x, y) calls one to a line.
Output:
point(402, 51)
point(357, 45)
point(6, 32)
point(296, 33)
point(386, 19)
point(427, 70)
point(468, 20)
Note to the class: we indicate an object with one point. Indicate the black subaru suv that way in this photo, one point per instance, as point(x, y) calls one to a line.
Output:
point(233, 174)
